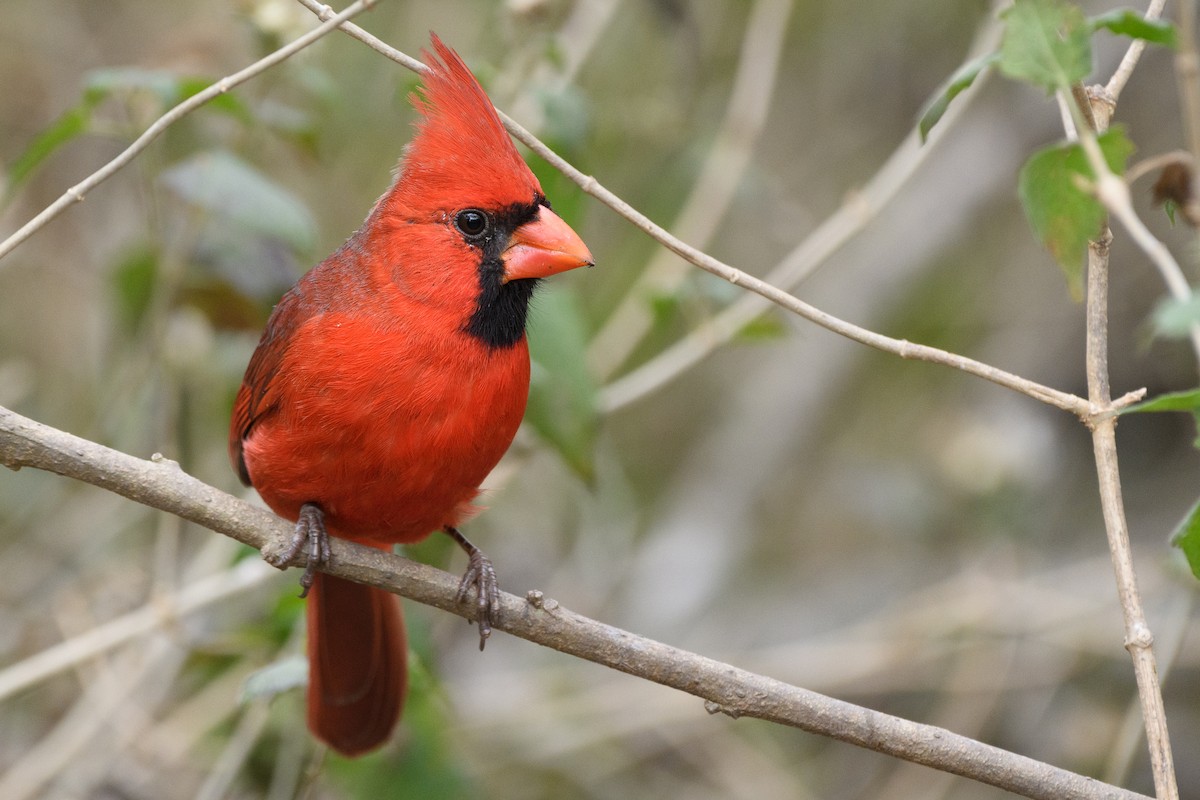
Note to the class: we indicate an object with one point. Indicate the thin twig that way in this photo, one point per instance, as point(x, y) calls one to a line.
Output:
point(1125, 69)
point(1113, 193)
point(724, 688)
point(1155, 163)
point(1138, 639)
point(78, 192)
point(1127, 743)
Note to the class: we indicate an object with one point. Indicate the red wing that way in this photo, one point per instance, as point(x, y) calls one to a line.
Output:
point(259, 395)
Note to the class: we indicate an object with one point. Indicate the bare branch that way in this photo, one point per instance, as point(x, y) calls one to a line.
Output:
point(161, 484)
point(1125, 69)
point(1113, 193)
point(78, 192)
point(1138, 639)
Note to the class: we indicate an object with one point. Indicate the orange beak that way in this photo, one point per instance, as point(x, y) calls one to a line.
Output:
point(542, 247)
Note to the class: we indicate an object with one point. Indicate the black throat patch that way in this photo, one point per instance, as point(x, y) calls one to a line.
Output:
point(498, 320)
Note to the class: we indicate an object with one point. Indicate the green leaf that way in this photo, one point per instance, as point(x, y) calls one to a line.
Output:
point(1173, 319)
point(233, 191)
point(71, 124)
point(281, 676)
point(935, 109)
point(1131, 23)
point(1047, 43)
point(1187, 538)
point(562, 394)
point(1188, 400)
point(1170, 207)
point(1062, 213)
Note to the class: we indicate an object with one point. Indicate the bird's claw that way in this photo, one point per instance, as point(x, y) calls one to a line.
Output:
point(310, 531)
point(480, 576)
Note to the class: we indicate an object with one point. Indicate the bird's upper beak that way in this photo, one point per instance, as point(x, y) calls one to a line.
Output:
point(542, 247)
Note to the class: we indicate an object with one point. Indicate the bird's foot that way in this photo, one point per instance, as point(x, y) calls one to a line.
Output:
point(480, 576)
point(310, 531)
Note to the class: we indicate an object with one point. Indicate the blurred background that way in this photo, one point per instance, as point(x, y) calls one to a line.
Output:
point(894, 534)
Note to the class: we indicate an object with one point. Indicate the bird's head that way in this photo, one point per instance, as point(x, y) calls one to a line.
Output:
point(463, 194)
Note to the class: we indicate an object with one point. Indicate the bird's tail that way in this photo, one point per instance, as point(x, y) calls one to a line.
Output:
point(357, 664)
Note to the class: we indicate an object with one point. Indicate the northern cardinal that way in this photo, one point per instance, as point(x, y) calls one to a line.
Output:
point(391, 379)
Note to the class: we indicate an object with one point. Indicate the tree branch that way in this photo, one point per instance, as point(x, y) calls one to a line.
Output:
point(1113, 193)
point(160, 483)
point(1138, 639)
point(1123, 72)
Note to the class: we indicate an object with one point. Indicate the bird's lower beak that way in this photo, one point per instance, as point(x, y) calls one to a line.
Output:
point(542, 247)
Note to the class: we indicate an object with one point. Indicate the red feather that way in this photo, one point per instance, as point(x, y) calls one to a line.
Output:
point(393, 376)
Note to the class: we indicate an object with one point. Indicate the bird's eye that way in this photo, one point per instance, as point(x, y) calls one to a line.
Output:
point(472, 223)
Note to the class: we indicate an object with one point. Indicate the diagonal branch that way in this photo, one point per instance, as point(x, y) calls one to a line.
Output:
point(161, 484)
point(1123, 72)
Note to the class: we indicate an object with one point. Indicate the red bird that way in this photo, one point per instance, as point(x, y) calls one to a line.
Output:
point(391, 379)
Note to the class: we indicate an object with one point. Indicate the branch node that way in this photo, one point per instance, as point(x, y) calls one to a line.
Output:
point(1101, 104)
point(1096, 414)
point(159, 458)
point(1140, 638)
point(538, 600)
point(714, 708)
